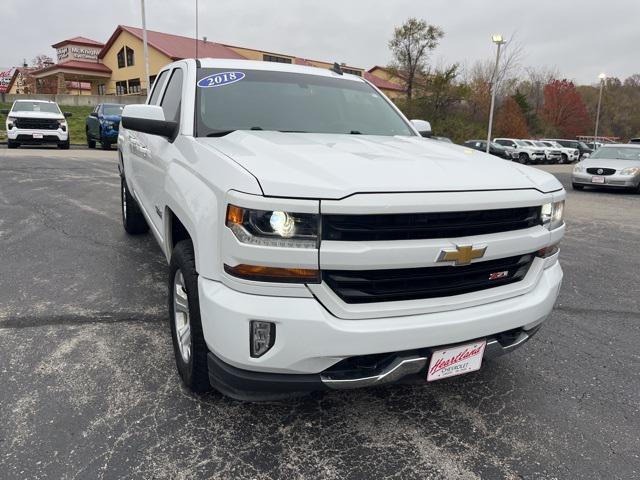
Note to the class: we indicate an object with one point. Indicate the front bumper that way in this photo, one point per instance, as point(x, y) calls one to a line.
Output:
point(309, 339)
point(23, 135)
point(407, 366)
point(610, 181)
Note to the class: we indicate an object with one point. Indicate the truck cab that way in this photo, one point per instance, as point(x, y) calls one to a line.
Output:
point(317, 241)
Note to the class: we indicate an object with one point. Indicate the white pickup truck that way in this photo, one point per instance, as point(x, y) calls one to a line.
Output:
point(317, 241)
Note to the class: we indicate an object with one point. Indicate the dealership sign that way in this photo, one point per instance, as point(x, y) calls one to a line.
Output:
point(74, 52)
point(5, 79)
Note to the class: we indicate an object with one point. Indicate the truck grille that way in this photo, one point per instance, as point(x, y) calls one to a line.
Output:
point(601, 171)
point(370, 286)
point(36, 123)
point(413, 226)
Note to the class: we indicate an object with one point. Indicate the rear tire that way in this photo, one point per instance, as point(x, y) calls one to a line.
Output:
point(189, 346)
point(12, 144)
point(90, 143)
point(575, 186)
point(133, 220)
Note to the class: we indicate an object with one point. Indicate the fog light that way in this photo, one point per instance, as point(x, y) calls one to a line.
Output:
point(262, 337)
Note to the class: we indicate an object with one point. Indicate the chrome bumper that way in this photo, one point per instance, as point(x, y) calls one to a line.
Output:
point(403, 366)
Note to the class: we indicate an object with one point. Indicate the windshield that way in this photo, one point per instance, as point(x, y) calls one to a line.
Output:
point(583, 145)
point(617, 153)
point(112, 109)
point(291, 102)
point(522, 143)
point(23, 106)
point(539, 144)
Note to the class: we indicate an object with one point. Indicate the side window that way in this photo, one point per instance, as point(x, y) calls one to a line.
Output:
point(157, 88)
point(173, 97)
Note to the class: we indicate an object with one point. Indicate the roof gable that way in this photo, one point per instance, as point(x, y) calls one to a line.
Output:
point(78, 41)
point(175, 47)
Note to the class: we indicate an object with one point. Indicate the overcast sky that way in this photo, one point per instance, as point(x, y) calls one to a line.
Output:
point(581, 38)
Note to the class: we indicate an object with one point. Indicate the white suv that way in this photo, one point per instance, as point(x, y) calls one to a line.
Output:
point(36, 122)
point(523, 151)
point(316, 241)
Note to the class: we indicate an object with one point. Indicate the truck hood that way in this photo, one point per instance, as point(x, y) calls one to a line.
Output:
point(335, 166)
point(111, 118)
point(53, 116)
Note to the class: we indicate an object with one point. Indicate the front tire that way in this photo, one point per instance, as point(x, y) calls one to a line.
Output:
point(12, 144)
point(133, 220)
point(64, 145)
point(523, 158)
point(575, 186)
point(189, 346)
point(105, 145)
point(564, 159)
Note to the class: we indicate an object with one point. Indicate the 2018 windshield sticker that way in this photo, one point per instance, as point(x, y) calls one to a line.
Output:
point(220, 79)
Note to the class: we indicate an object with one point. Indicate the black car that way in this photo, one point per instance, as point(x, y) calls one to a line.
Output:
point(494, 148)
point(583, 147)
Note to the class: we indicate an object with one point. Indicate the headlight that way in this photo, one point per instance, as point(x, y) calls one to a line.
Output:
point(630, 171)
point(62, 124)
point(273, 228)
point(578, 168)
point(109, 123)
point(552, 215)
point(10, 122)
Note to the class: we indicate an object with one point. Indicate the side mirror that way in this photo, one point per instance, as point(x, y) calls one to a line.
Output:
point(4, 111)
point(94, 114)
point(67, 114)
point(148, 119)
point(423, 127)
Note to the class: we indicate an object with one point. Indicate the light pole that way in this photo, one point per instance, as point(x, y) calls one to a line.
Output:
point(602, 78)
point(499, 41)
point(145, 48)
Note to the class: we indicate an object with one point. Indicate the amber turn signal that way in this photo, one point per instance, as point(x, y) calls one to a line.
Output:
point(235, 215)
point(274, 274)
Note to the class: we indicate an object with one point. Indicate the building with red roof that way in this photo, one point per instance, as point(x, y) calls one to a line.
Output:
point(117, 66)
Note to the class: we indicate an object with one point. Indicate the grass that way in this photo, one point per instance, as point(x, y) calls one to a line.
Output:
point(76, 123)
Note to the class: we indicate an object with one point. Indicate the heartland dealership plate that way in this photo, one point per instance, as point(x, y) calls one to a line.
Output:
point(597, 179)
point(37, 135)
point(453, 361)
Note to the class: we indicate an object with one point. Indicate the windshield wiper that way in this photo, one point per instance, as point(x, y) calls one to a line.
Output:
point(355, 132)
point(222, 133)
point(293, 131)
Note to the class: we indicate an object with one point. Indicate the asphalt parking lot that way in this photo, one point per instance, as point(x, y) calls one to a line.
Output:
point(89, 388)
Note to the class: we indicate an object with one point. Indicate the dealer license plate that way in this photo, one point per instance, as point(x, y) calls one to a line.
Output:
point(37, 135)
point(453, 361)
point(597, 179)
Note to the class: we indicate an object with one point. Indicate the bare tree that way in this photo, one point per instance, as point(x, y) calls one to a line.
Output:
point(411, 45)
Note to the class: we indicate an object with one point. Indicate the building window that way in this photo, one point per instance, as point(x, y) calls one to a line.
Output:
point(121, 87)
point(274, 58)
point(352, 71)
point(121, 62)
point(130, 59)
point(134, 85)
point(102, 89)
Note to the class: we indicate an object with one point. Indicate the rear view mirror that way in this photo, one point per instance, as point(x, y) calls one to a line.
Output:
point(423, 127)
point(149, 119)
point(94, 114)
point(68, 114)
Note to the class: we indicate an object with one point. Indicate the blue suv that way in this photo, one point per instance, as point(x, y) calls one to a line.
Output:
point(102, 125)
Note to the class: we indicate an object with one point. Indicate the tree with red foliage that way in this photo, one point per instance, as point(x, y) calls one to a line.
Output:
point(510, 121)
point(564, 110)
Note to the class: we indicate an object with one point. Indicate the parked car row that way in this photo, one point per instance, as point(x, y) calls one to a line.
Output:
point(532, 151)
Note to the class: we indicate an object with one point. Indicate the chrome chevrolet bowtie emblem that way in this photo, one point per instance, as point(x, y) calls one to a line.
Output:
point(461, 255)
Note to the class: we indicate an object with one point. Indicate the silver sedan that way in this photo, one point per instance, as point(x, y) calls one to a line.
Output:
point(615, 166)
